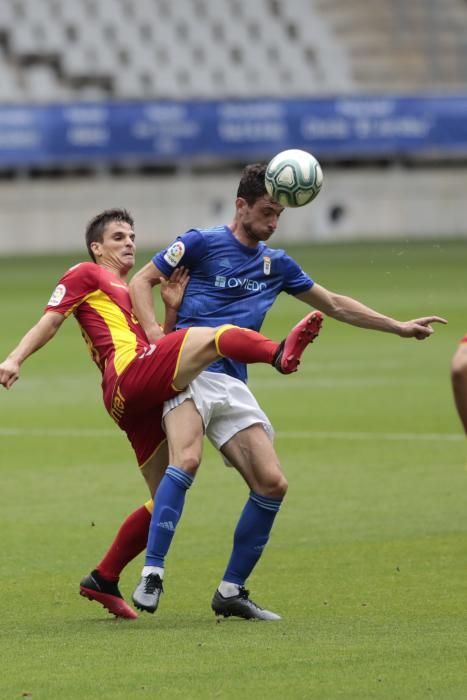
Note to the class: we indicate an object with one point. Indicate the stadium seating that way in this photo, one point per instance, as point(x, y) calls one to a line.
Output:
point(52, 50)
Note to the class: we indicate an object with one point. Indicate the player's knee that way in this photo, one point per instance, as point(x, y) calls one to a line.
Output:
point(188, 462)
point(281, 486)
point(275, 486)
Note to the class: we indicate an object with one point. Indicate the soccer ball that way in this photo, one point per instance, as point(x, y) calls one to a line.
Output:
point(293, 178)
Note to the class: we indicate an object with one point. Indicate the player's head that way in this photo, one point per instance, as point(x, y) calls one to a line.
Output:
point(251, 186)
point(255, 212)
point(96, 227)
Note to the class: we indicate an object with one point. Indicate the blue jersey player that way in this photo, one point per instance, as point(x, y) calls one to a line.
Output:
point(235, 277)
point(230, 282)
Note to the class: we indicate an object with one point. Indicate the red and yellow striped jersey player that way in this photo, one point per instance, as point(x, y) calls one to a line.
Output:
point(138, 376)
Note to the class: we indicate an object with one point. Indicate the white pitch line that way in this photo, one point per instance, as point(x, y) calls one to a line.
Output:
point(59, 432)
point(332, 382)
point(293, 435)
point(405, 437)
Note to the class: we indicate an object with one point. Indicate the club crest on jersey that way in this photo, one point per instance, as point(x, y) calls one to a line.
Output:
point(175, 253)
point(57, 295)
point(267, 265)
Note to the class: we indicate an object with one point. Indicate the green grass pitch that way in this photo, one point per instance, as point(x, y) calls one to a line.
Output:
point(367, 562)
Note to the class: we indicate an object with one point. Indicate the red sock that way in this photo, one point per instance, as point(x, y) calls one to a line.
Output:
point(130, 541)
point(246, 346)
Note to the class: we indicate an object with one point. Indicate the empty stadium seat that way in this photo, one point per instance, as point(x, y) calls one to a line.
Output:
point(229, 48)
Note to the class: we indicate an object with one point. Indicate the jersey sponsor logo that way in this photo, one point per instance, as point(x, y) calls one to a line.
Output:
point(239, 283)
point(267, 265)
point(174, 253)
point(57, 295)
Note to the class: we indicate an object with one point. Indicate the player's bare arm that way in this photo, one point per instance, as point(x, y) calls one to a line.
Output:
point(348, 310)
point(142, 299)
point(40, 334)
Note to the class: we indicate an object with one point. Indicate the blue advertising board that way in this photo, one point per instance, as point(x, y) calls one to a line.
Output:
point(170, 132)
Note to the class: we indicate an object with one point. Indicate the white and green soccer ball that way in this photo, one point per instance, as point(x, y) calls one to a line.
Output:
point(293, 178)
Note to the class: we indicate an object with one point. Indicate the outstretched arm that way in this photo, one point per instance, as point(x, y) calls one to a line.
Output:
point(143, 302)
point(35, 338)
point(349, 310)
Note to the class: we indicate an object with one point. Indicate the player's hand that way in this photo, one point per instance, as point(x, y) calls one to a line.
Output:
point(173, 289)
point(9, 373)
point(420, 328)
point(155, 333)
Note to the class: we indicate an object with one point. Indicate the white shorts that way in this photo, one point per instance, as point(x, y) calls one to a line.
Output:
point(226, 406)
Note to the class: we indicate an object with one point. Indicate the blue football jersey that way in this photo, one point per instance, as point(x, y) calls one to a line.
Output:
point(229, 282)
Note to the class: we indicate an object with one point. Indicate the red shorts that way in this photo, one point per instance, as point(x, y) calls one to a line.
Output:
point(135, 400)
point(464, 339)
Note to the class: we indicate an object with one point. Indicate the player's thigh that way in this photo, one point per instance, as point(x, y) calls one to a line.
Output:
point(154, 468)
point(198, 352)
point(184, 429)
point(252, 453)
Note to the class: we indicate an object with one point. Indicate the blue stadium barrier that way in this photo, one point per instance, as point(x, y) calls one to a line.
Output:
point(161, 132)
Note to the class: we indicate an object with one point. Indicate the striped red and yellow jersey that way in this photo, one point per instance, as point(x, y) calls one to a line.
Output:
point(101, 304)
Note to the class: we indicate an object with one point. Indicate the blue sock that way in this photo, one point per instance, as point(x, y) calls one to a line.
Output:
point(251, 536)
point(168, 506)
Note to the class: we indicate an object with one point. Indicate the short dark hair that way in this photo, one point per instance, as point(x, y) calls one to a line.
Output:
point(96, 227)
point(251, 186)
